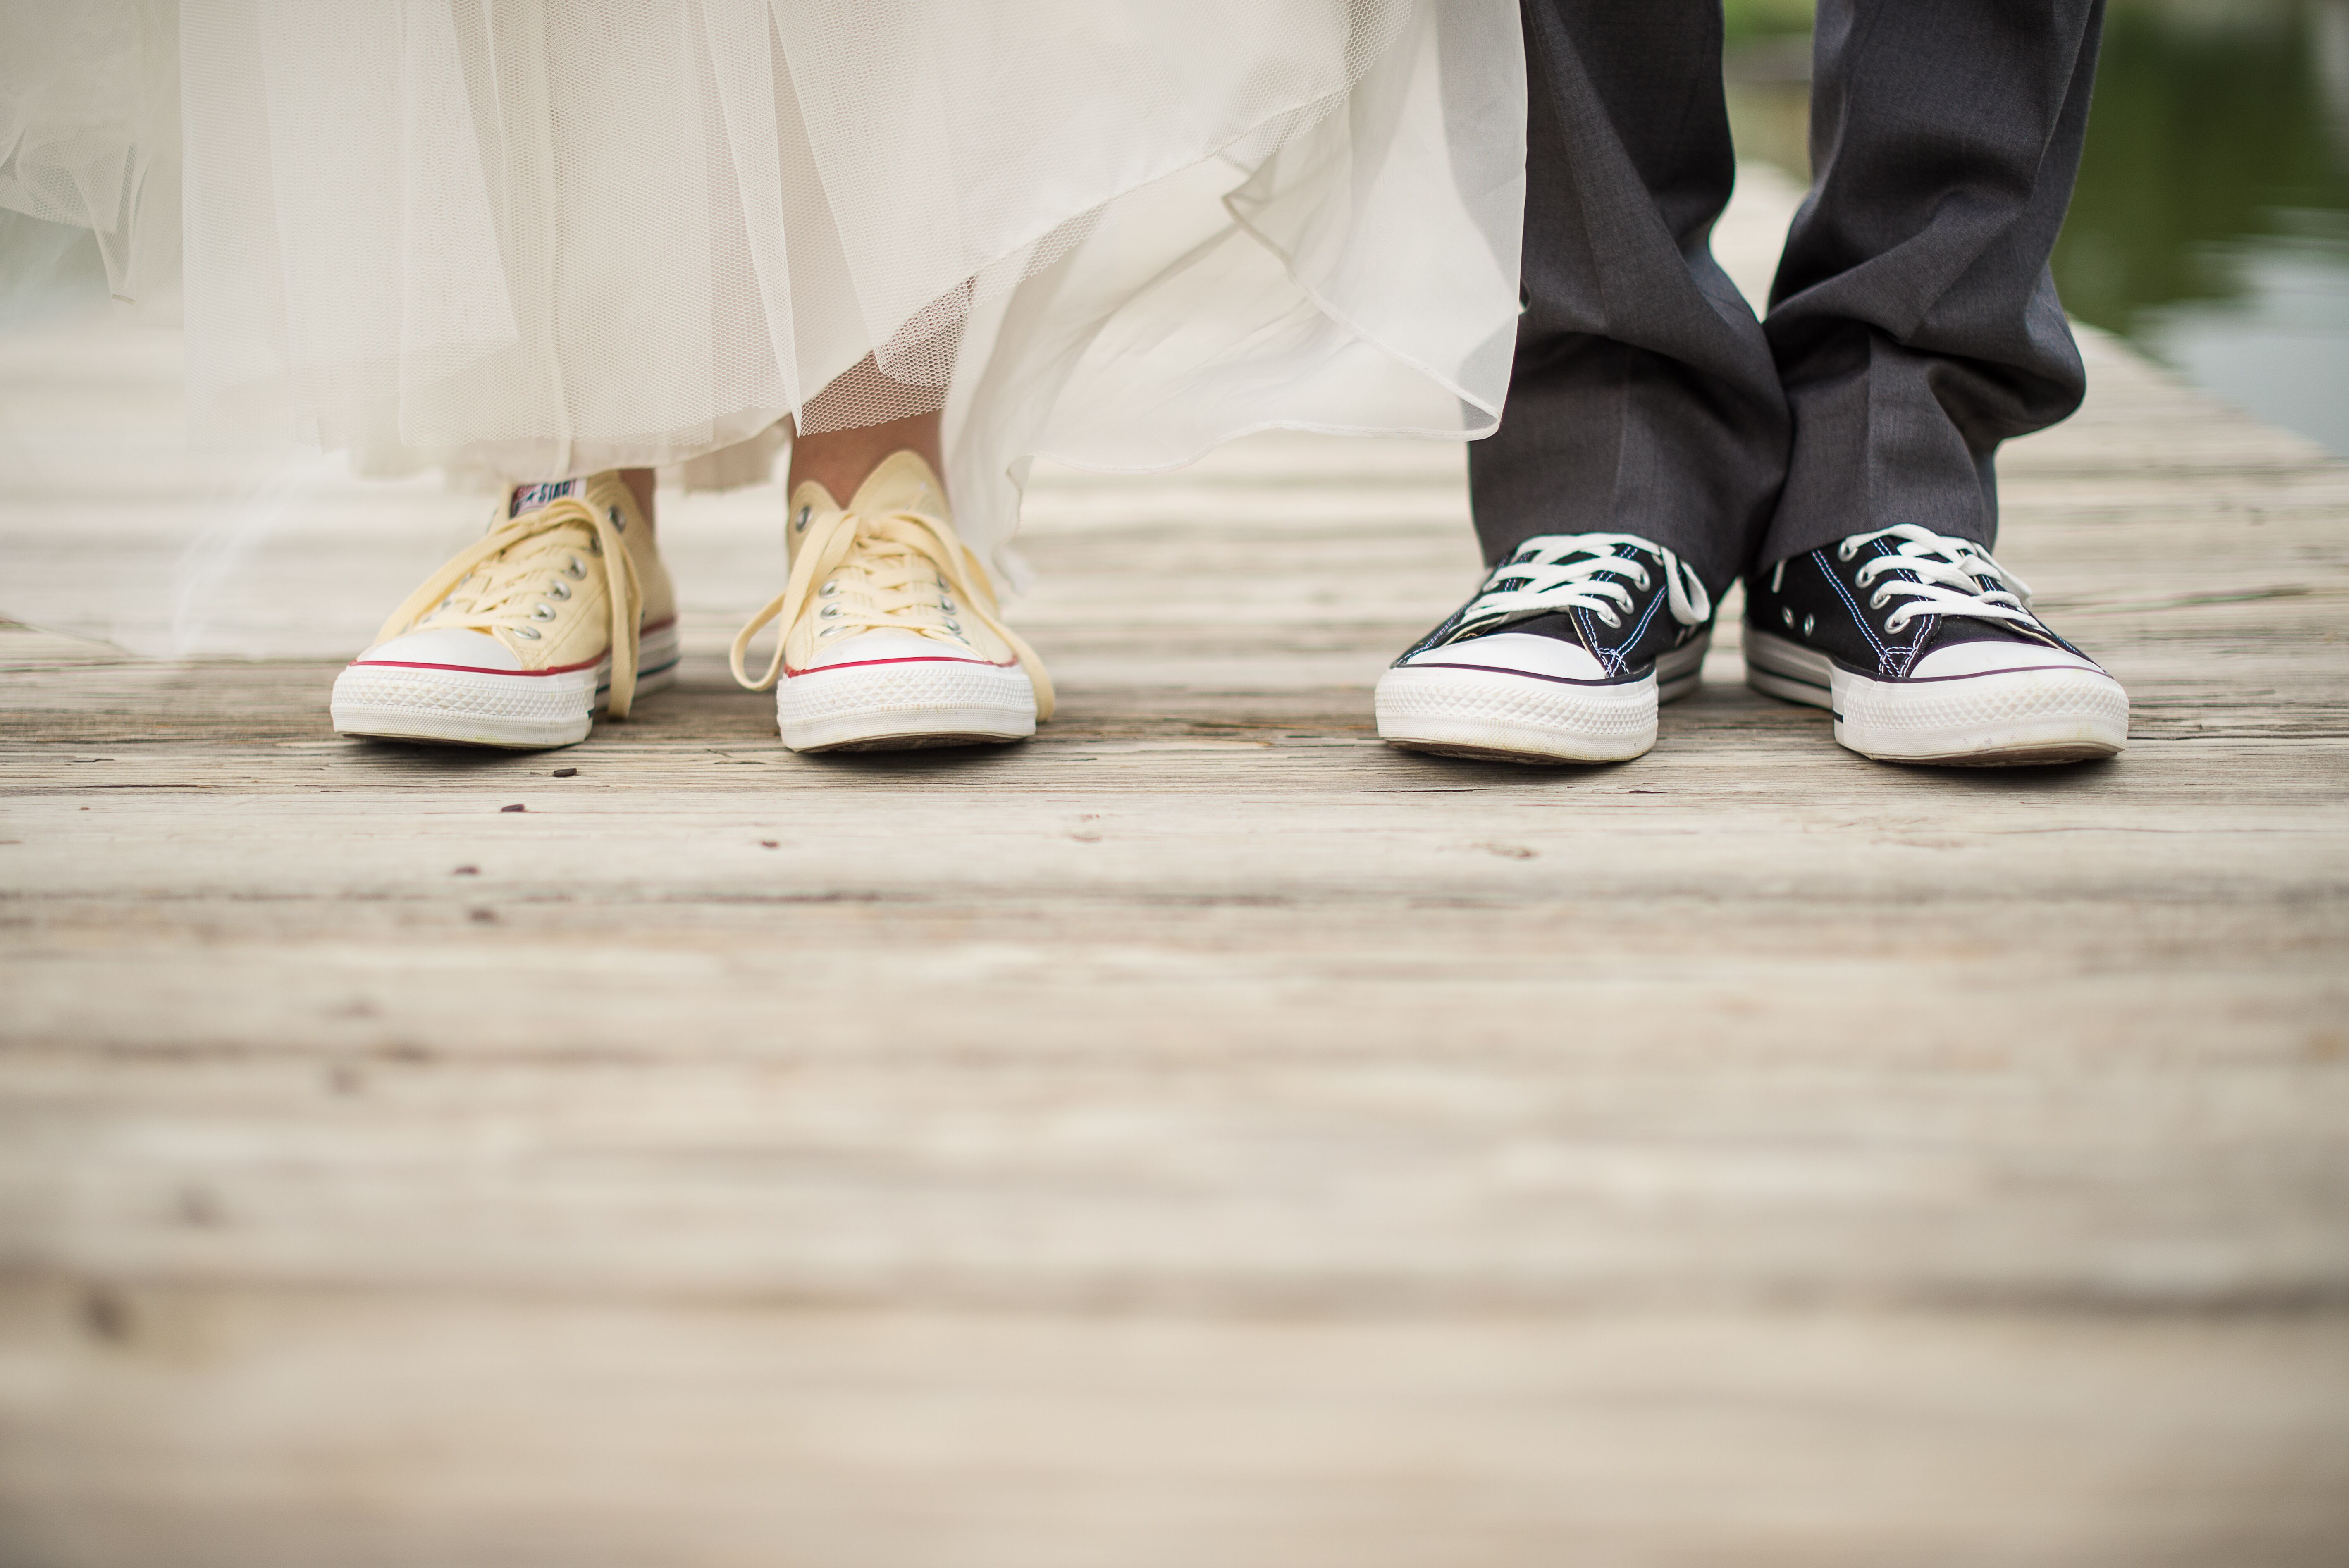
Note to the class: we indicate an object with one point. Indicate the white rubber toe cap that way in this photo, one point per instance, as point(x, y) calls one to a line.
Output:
point(454, 647)
point(1992, 657)
point(884, 646)
point(1514, 652)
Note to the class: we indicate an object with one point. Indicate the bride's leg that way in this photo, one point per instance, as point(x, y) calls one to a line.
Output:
point(640, 485)
point(840, 461)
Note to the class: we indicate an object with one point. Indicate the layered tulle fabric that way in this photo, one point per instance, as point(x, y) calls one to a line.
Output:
point(90, 133)
point(545, 239)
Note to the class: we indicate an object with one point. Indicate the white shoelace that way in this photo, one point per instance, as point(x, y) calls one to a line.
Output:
point(1559, 571)
point(1950, 572)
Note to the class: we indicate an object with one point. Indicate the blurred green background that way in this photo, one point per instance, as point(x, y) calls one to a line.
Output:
point(2210, 226)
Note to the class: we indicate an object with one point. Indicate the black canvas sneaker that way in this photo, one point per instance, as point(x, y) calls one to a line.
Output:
point(1561, 656)
point(1926, 651)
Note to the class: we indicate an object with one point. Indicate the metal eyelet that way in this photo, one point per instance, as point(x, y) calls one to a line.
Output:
point(830, 632)
point(594, 547)
point(524, 632)
point(830, 611)
point(576, 568)
point(947, 605)
point(1846, 552)
point(953, 625)
point(827, 590)
point(1809, 621)
point(1787, 615)
point(799, 524)
point(559, 589)
point(541, 611)
point(618, 521)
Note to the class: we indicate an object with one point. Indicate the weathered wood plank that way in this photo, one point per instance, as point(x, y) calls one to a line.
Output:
point(1200, 1134)
point(623, 1432)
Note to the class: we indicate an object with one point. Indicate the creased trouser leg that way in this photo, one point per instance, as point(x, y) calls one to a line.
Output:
point(1643, 400)
point(1914, 321)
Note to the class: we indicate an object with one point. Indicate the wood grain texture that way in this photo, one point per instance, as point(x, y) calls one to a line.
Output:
point(1199, 1135)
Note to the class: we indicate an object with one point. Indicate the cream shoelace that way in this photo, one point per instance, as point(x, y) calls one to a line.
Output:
point(1578, 572)
point(899, 571)
point(510, 580)
point(1950, 570)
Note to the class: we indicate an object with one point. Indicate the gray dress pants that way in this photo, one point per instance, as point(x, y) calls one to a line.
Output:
point(1913, 325)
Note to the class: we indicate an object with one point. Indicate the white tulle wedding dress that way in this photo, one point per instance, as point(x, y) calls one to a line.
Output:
point(542, 239)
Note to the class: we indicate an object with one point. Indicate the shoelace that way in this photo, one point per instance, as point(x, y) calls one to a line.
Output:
point(1950, 572)
point(521, 563)
point(895, 555)
point(1578, 571)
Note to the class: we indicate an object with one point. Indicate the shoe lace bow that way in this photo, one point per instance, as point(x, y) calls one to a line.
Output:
point(500, 584)
point(1594, 571)
point(1949, 577)
point(896, 562)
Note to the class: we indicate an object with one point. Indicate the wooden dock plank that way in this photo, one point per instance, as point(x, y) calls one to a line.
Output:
point(1197, 1135)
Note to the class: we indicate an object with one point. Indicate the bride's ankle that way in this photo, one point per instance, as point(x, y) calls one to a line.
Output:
point(840, 461)
point(640, 485)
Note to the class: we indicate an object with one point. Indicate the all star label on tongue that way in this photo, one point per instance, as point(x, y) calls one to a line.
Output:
point(530, 498)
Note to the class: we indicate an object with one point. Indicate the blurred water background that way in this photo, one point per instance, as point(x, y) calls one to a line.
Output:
point(2210, 227)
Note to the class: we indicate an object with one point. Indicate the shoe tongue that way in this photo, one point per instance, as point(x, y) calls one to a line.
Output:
point(1554, 624)
point(902, 482)
point(532, 498)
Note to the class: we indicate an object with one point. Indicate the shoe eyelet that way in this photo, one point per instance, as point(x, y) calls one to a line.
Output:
point(1846, 552)
point(952, 624)
point(594, 547)
point(948, 605)
point(524, 632)
point(541, 611)
point(800, 523)
point(618, 521)
point(827, 590)
point(558, 589)
point(1809, 621)
point(1787, 613)
point(830, 611)
point(1875, 600)
point(830, 632)
point(576, 568)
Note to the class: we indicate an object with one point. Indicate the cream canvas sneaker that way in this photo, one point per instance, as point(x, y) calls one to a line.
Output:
point(562, 608)
point(891, 637)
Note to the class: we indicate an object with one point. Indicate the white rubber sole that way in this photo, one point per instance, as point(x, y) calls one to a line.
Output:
point(905, 705)
point(1493, 715)
point(2004, 718)
point(484, 707)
